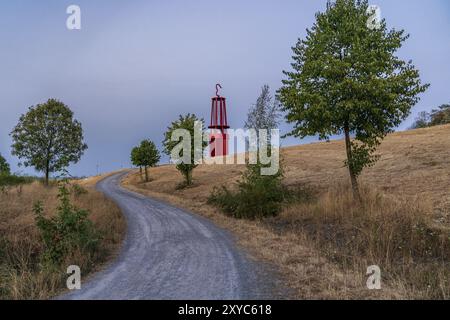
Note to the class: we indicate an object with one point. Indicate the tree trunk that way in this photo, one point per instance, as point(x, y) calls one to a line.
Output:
point(146, 174)
point(140, 171)
point(188, 178)
point(47, 174)
point(47, 169)
point(354, 180)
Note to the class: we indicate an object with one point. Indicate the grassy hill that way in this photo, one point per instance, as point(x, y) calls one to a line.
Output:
point(323, 246)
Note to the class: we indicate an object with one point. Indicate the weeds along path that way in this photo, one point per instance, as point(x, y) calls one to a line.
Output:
point(169, 253)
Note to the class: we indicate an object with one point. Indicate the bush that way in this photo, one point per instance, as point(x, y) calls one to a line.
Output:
point(68, 232)
point(13, 180)
point(4, 166)
point(437, 117)
point(78, 190)
point(257, 196)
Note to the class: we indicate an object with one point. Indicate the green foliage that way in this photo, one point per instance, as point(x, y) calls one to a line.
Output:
point(361, 157)
point(48, 138)
point(257, 196)
point(78, 190)
point(13, 180)
point(4, 166)
point(185, 123)
point(149, 154)
point(135, 157)
point(68, 231)
point(145, 155)
point(348, 79)
point(439, 116)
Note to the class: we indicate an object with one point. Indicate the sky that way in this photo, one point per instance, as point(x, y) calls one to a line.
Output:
point(136, 65)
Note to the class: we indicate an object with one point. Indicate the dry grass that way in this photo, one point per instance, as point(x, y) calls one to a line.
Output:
point(414, 170)
point(393, 233)
point(22, 276)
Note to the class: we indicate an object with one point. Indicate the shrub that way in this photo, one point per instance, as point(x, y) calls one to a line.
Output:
point(437, 117)
point(4, 166)
point(67, 232)
point(13, 180)
point(257, 196)
point(78, 190)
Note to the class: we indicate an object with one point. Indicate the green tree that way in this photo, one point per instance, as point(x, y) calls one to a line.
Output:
point(4, 166)
point(185, 123)
point(48, 138)
point(347, 79)
point(440, 116)
point(135, 160)
point(67, 231)
point(148, 156)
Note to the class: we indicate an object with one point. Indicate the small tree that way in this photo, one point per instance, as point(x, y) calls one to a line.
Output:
point(48, 138)
point(4, 166)
point(265, 113)
point(67, 231)
point(422, 120)
point(347, 79)
point(440, 116)
point(148, 156)
point(185, 123)
point(135, 160)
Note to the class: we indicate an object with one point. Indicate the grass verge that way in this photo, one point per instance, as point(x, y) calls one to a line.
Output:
point(23, 275)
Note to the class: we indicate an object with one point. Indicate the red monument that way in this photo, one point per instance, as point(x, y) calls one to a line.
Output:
point(218, 142)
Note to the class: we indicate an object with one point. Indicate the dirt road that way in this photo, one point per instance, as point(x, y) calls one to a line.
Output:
point(169, 253)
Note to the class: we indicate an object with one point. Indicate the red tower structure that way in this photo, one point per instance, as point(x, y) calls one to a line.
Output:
point(218, 142)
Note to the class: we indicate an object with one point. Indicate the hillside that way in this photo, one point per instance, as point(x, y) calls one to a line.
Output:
point(322, 247)
point(414, 163)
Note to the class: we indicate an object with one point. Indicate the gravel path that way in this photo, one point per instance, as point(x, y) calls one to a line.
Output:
point(169, 253)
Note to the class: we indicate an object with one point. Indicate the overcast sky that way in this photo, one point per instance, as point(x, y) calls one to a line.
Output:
point(135, 65)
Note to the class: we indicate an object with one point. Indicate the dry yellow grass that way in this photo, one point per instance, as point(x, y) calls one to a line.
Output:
point(390, 232)
point(20, 244)
point(415, 164)
point(414, 168)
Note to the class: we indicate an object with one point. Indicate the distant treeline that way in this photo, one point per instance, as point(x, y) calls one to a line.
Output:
point(436, 117)
point(13, 180)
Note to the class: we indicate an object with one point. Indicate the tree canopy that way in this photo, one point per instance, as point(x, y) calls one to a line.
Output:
point(145, 155)
point(4, 166)
point(48, 138)
point(347, 79)
point(172, 141)
point(440, 116)
point(436, 117)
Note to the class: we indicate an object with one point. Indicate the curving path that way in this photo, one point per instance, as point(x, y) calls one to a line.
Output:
point(169, 253)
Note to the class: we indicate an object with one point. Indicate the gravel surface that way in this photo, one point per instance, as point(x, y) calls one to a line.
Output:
point(169, 253)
